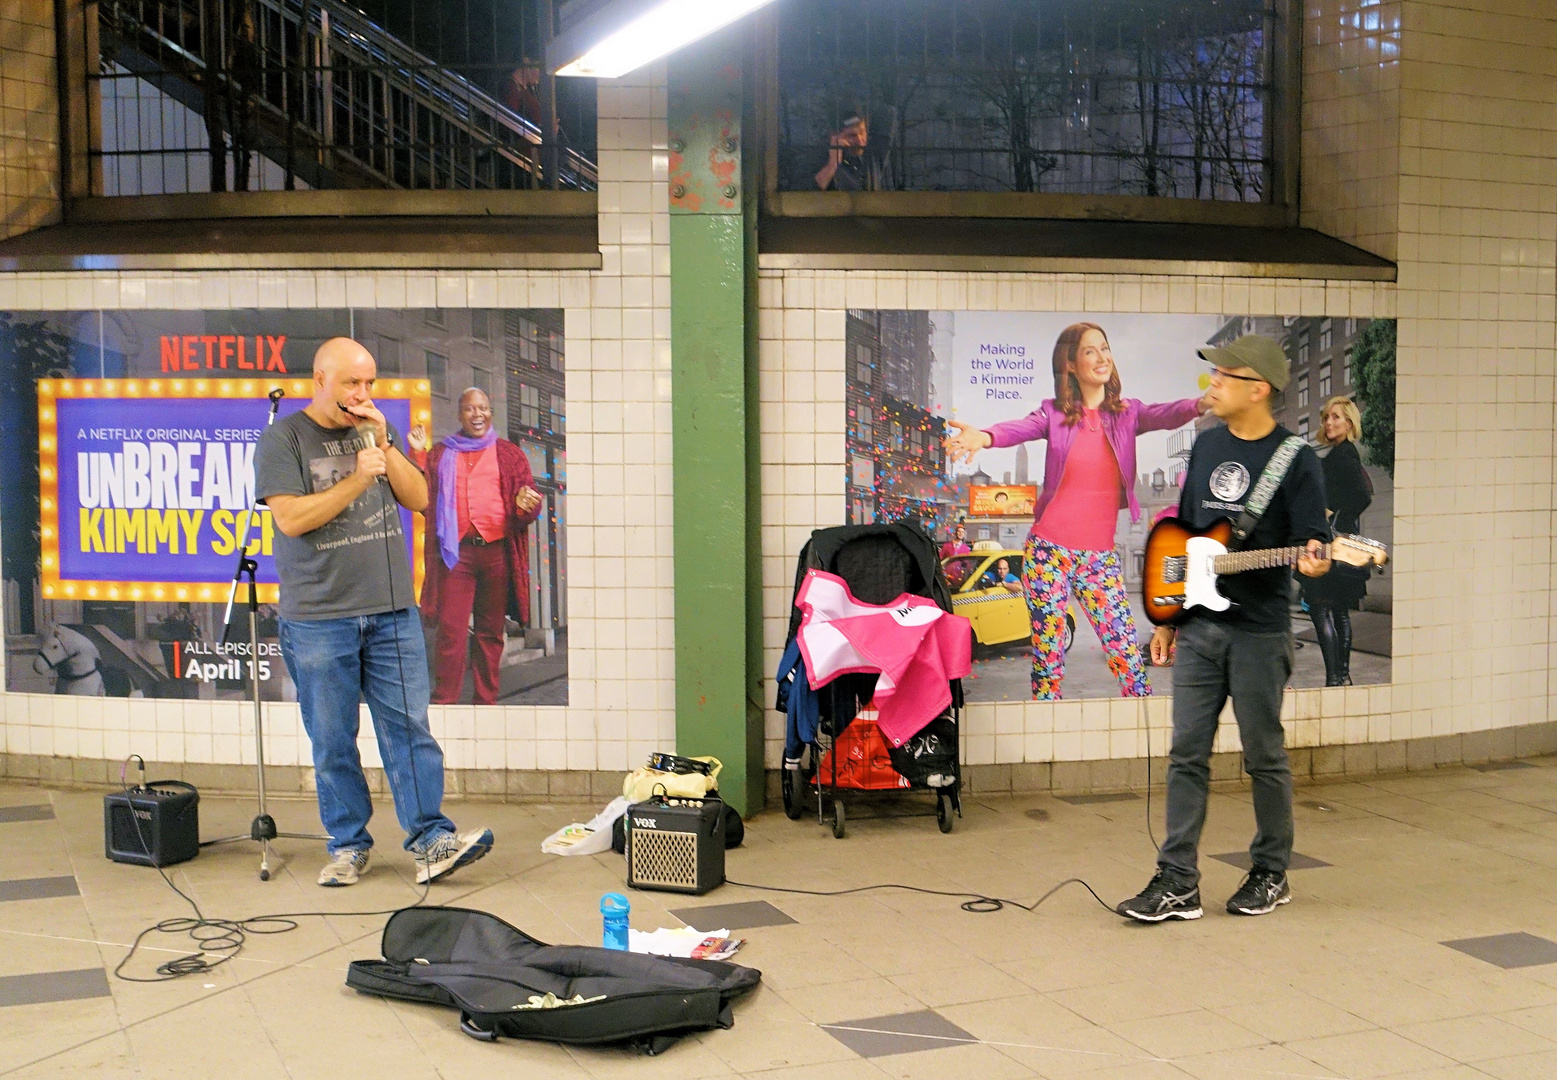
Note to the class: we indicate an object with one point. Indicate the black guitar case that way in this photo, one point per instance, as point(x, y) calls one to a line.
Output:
point(506, 984)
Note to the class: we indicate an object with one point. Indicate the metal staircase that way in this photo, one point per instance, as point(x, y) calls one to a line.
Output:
point(329, 96)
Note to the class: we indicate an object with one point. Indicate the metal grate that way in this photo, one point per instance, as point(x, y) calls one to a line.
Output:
point(255, 95)
point(1126, 97)
point(667, 859)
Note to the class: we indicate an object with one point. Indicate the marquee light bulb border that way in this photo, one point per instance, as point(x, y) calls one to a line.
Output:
point(417, 392)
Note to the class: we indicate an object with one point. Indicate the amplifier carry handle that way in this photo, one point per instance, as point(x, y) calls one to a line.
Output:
point(140, 764)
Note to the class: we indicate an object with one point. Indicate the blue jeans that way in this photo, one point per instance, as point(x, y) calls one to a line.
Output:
point(336, 663)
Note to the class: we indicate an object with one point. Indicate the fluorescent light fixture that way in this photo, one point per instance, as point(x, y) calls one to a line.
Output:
point(622, 35)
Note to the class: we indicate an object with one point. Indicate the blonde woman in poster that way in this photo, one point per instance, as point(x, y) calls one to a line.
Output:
point(1349, 492)
point(1088, 477)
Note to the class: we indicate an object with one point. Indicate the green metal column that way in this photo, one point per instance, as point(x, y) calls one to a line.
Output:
point(714, 416)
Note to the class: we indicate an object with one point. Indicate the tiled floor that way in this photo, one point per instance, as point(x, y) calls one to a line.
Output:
point(1421, 948)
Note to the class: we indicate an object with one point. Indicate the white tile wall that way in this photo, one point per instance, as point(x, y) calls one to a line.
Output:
point(29, 118)
point(1351, 151)
point(1478, 251)
point(621, 659)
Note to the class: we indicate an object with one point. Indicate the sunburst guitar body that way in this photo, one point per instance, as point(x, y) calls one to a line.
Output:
point(1183, 564)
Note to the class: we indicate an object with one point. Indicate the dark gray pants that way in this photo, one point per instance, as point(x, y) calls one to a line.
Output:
point(1213, 663)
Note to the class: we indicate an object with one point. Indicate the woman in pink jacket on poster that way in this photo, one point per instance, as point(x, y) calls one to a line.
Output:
point(1088, 477)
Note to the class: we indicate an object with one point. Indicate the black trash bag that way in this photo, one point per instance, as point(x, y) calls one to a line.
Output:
point(929, 759)
point(734, 829)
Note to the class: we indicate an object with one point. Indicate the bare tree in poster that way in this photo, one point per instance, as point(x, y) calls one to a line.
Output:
point(1020, 98)
point(1155, 179)
point(1226, 118)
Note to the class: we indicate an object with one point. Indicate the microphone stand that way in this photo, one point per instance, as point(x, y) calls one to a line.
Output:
point(262, 830)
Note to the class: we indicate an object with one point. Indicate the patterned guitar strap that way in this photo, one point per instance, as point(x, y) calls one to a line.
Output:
point(1265, 489)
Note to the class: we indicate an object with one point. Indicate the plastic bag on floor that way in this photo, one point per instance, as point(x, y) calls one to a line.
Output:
point(589, 838)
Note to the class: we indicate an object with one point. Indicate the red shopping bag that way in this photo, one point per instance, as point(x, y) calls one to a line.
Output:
point(864, 758)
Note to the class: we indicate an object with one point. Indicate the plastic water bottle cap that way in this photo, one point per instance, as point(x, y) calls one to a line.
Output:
point(614, 904)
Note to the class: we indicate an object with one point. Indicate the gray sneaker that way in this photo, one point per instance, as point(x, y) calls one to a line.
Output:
point(344, 867)
point(1165, 897)
point(1262, 892)
point(450, 852)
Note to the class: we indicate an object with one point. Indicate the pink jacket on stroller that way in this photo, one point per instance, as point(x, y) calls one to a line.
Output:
point(915, 646)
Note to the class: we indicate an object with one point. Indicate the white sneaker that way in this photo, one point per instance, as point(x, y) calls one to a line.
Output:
point(345, 867)
point(450, 852)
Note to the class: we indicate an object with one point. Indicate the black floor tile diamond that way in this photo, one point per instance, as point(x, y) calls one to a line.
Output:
point(1501, 766)
point(49, 986)
point(902, 1033)
point(27, 813)
point(1241, 860)
point(742, 916)
point(38, 888)
point(1508, 950)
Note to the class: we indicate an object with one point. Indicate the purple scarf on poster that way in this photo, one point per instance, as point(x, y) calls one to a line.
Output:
point(448, 496)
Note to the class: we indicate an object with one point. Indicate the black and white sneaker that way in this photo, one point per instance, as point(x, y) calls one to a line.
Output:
point(1262, 892)
point(1164, 898)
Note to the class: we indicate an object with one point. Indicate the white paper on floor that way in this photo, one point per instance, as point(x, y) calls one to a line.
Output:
point(684, 941)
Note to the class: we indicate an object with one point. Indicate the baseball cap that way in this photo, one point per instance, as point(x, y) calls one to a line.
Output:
point(1264, 356)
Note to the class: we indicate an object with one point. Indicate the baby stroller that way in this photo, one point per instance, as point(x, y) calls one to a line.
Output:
point(879, 563)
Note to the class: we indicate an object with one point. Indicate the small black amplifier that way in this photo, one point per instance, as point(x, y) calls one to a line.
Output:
point(155, 824)
point(675, 845)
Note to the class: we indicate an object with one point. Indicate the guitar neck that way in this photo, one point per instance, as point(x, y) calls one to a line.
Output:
point(1236, 562)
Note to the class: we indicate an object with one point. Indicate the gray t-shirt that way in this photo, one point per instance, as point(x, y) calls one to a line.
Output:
point(340, 570)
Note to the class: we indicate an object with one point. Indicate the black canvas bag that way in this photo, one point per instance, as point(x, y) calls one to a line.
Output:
point(500, 978)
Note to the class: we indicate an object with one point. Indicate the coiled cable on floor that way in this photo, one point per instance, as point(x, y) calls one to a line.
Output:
point(223, 938)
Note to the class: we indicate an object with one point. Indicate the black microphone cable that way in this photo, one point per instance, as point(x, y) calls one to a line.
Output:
point(976, 903)
point(388, 506)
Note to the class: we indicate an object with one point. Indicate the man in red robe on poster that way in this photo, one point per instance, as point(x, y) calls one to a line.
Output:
point(480, 501)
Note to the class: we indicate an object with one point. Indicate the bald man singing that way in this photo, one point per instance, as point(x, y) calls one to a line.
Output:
point(332, 475)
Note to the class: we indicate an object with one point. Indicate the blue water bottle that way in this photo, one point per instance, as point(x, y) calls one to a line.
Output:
point(613, 910)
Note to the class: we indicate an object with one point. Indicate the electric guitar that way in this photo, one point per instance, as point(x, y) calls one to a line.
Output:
point(1182, 565)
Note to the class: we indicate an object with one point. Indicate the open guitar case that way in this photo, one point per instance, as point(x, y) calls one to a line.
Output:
point(507, 984)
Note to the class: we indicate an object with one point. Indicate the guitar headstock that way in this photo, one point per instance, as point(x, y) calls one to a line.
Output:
point(1358, 551)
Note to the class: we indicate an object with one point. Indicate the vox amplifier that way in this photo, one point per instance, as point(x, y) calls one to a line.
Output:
point(155, 824)
point(675, 845)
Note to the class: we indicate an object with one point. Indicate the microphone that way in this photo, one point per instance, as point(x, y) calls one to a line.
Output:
point(369, 437)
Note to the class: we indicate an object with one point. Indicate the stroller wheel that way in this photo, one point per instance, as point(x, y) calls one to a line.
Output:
point(838, 818)
point(945, 816)
point(793, 807)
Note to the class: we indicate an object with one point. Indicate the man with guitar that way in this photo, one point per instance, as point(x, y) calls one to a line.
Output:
point(1244, 652)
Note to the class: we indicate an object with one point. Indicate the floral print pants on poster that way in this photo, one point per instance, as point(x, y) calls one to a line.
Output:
point(1049, 574)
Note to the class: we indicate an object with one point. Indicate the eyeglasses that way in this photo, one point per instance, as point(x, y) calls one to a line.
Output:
point(1217, 375)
